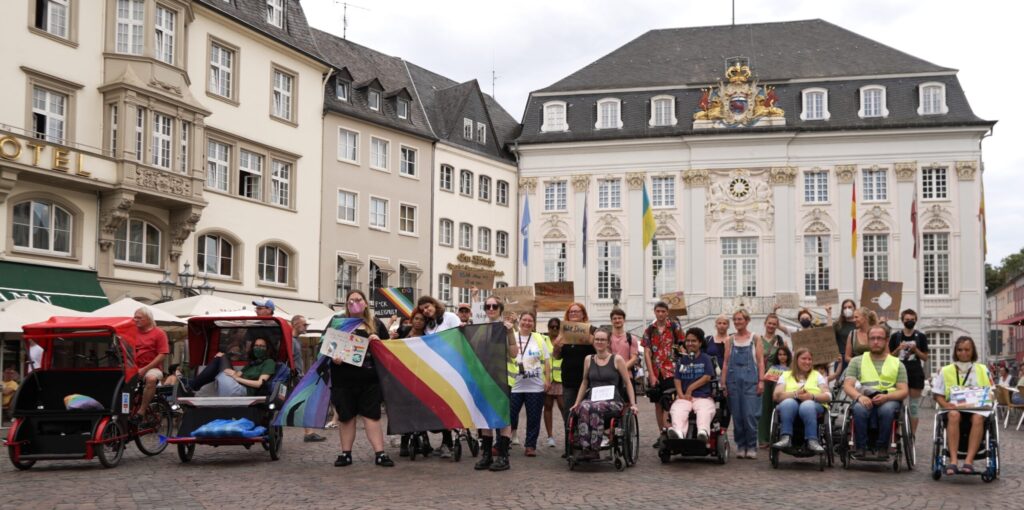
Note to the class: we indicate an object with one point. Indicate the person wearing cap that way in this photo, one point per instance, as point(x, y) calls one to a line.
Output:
point(266, 308)
point(465, 314)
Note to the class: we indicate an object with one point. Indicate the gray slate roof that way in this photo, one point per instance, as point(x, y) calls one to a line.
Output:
point(253, 13)
point(777, 51)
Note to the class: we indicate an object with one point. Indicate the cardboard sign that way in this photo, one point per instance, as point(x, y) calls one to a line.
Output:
point(788, 300)
point(576, 333)
point(882, 297)
point(384, 307)
point(676, 302)
point(827, 297)
point(351, 348)
point(820, 341)
point(517, 299)
point(554, 296)
point(468, 278)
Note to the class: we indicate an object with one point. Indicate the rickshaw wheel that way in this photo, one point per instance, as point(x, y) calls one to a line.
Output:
point(151, 444)
point(274, 437)
point(20, 464)
point(110, 453)
point(186, 451)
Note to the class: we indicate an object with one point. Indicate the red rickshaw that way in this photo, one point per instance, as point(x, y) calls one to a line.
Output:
point(92, 357)
point(234, 336)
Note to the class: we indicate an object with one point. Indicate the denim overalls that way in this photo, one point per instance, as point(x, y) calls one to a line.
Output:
point(744, 403)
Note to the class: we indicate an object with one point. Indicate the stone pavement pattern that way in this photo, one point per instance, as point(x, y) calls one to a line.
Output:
point(232, 477)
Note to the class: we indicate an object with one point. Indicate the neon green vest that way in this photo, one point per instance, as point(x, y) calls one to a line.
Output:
point(545, 346)
point(869, 376)
point(949, 376)
point(793, 385)
point(556, 364)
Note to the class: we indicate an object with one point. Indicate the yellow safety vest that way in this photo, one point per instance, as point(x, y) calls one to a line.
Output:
point(793, 385)
point(869, 376)
point(556, 364)
point(545, 346)
point(949, 376)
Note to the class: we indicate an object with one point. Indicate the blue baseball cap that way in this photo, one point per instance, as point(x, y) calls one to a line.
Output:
point(264, 302)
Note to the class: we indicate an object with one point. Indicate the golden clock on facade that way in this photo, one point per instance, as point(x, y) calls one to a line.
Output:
point(739, 188)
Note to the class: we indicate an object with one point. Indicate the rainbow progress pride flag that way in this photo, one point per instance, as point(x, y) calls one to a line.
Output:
point(453, 379)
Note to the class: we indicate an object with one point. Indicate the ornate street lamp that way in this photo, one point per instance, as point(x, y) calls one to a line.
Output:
point(166, 287)
point(185, 279)
point(206, 288)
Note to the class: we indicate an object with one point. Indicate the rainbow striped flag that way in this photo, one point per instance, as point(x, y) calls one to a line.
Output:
point(648, 220)
point(308, 402)
point(454, 379)
point(401, 301)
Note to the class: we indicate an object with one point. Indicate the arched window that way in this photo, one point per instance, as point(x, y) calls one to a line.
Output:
point(215, 255)
point(41, 225)
point(932, 99)
point(608, 114)
point(466, 182)
point(872, 102)
point(138, 242)
point(446, 233)
point(554, 117)
point(815, 104)
point(274, 264)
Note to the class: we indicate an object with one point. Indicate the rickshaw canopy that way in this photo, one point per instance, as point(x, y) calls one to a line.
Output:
point(81, 330)
point(209, 335)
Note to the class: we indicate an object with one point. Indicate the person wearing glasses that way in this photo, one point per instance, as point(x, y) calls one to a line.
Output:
point(877, 399)
point(494, 310)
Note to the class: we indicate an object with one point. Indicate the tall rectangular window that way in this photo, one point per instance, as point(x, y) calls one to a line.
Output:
point(466, 183)
point(814, 105)
point(250, 175)
point(403, 109)
point(217, 164)
point(940, 350)
point(876, 185)
point(608, 114)
point(113, 130)
point(160, 149)
point(483, 240)
point(816, 264)
point(49, 114)
point(341, 90)
point(164, 41)
point(502, 193)
point(933, 183)
point(501, 244)
point(280, 183)
point(481, 132)
point(554, 117)
point(282, 96)
point(444, 288)
point(447, 178)
point(609, 268)
point(555, 196)
point(407, 219)
point(140, 132)
point(555, 262)
point(739, 266)
point(52, 16)
point(609, 193)
point(663, 267)
point(467, 129)
point(348, 276)
point(872, 99)
point(348, 205)
point(931, 101)
point(465, 236)
point(662, 111)
point(128, 35)
point(663, 192)
point(378, 213)
point(348, 145)
point(935, 254)
point(406, 278)
point(183, 160)
point(876, 257)
point(275, 13)
point(408, 166)
point(815, 186)
point(485, 188)
point(379, 153)
point(373, 100)
point(221, 61)
point(446, 232)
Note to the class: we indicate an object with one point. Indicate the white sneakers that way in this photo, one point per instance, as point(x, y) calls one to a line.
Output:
point(551, 442)
point(515, 440)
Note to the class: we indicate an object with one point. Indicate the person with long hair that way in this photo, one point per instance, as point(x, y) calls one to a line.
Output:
point(554, 394)
point(778, 362)
point(417, 327)
point(603, 368)
point(438, 319)
point(694, 371)
point(964, 372)
point(715, 344)
point(857, 343)
point(801, 391)
point(572, 356)
point(843, 327)
point(744, 380)
point(532, 379)
point(355, 391)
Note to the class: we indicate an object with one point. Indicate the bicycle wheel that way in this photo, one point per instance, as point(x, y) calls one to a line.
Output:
point(157, 423)
point(111, 450)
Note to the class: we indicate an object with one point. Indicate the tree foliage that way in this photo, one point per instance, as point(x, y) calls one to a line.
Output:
point(1011, 267)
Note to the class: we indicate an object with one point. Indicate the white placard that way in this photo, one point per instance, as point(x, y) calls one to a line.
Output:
point(600, 393)
point(351, 348)
point(970, 396)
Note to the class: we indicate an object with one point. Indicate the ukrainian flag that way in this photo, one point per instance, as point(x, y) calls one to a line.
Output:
point(648, 219)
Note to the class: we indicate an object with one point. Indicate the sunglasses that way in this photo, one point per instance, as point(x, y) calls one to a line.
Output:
point(492, 307)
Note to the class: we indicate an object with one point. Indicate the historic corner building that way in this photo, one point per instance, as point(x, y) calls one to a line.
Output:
point(750, 140)
point(139, 136)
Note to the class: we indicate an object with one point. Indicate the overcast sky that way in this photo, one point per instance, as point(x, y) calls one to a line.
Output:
point(533, 43)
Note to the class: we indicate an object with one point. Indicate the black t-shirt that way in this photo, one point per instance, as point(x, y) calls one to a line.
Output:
point(572, 363)
point(907, 356)
point(367, 372)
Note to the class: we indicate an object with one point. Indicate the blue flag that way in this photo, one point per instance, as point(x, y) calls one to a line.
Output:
point(524, 229)
point(585, 230)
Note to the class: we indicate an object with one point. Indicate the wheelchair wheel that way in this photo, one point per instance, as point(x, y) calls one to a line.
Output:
point(473, 443)
point(414, 446)
point(722, 449)
point(617, 456)
point(572, 462)
point(111, 450)
point(937, 459)
point(773, 437)
point(830, 450)
point(456, 449)
point(631, 439)
point(20, 464)
point(665, 456)
point(843, 448)
point(909, 450)
point(159, 420)
point(186, 451)
point(275, 436)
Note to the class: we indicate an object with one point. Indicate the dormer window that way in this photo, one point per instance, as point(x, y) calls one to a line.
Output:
point(275, 13)
point(554, 117)
point(467, 129)
point(815, 104)
point(341, 88)
point(373, 100)
point(481, 132)
point(403, 109)
point(608, 115)
point(872, 102)
point(932, 99)
point(663, 111)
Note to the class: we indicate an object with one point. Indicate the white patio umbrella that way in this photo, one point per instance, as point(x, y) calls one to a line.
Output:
point(127, 306)
point(250, 313)
point(200, 305)
point(17, 312)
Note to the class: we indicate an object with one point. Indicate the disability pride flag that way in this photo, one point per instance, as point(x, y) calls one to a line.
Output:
point(307, 404)
point(454, 379)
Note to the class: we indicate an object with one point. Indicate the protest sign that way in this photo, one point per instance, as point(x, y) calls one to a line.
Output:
point(351, 348)
point(553, 296)
point(467, 278)
point(676, 302)
point(516, 299)
point(820, 341)
point(788, 300)
point(882, 297)
point(827, 297)
point(576, 333)
point(391, 301)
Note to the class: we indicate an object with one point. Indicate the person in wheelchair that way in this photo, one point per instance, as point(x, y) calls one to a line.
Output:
point(604, 374)
point(877, 384)
point(694, 371)
point(963, 374)
point(801, 391)
point(239, 383)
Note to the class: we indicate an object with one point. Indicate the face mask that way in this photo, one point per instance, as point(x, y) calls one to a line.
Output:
point(259, 352)
point(805, 323)
point(356, 308)
point(909, 324)
point(848, 313)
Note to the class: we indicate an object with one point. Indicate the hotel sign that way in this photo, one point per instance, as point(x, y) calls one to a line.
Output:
point(41, 155)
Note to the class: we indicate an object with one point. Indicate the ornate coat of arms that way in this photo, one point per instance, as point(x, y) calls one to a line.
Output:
point(739, 103)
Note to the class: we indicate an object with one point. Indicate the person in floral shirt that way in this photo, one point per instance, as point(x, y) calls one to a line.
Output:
point(660, 342)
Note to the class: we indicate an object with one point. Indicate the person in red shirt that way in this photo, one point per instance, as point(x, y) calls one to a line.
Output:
point(151, 348)
point(660, 341)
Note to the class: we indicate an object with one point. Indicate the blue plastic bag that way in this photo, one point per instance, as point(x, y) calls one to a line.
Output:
point(222, 428)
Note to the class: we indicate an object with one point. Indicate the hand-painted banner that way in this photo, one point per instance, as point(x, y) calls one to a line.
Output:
point(392, 301)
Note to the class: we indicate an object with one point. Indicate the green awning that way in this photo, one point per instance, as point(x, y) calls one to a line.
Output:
point(70, 288)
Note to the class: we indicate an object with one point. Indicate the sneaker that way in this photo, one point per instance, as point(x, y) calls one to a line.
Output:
point(605, 442)
point(702, 435)
point(551, 442)
point(383, 460)
point(860, 453)
point(814, 446)
point(783, 442)
point(445, 452)
point(500, 464)
point(515, 440)
point(343, 460)
point(313, 438)
point(674, 434)
point(657, 444)
point(752, 453)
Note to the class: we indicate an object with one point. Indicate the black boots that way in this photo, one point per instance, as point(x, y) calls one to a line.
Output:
point(485, 453)
point(501, 461)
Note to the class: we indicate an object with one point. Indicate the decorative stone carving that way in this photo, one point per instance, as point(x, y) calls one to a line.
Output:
point(782, 175)
point(163, 182)
point(555, 220)
point(876, 226)
point(528, 185)
point(664, 232)
point(581, 182)
point(966, 170)
point(8, 178)
point(936, 223)
point(906, 170)
point(183, 223)
point(609, 232)
point(157, 83)
point(635, 180)
point(114, 209)
point(816, 227)
point(555, 234)
point(737, 194)
point(696, 177)
point(845, 173)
